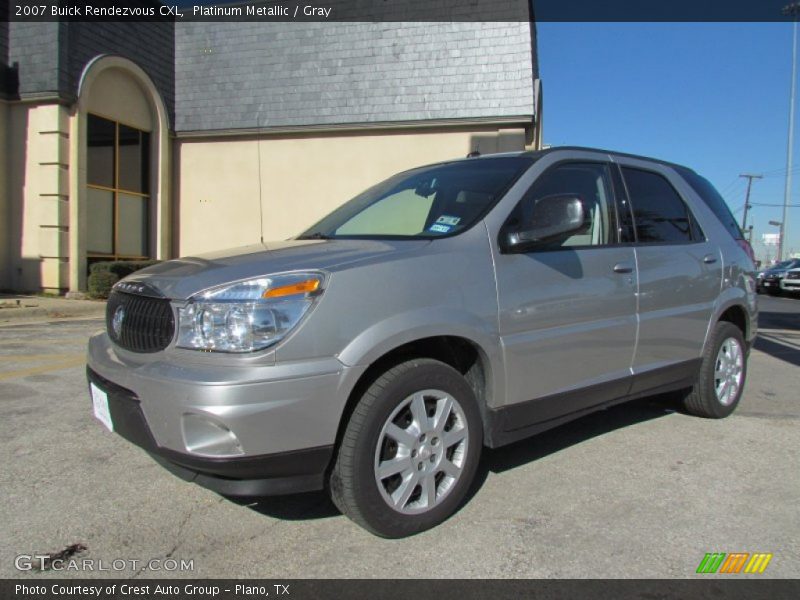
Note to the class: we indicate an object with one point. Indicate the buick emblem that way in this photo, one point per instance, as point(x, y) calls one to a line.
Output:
point(138, 288)
point(116, 322)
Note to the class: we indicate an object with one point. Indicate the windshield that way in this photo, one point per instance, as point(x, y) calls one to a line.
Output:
point(428, 202)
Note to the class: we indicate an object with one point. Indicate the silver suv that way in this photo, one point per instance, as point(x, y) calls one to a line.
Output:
point(460, 305)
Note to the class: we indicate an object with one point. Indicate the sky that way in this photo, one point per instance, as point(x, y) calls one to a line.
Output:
point(711, 96)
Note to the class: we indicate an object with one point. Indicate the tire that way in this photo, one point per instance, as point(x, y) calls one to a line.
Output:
point(709, 398)
point(384, 425)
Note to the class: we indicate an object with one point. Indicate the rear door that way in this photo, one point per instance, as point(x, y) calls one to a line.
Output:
point(680, 275)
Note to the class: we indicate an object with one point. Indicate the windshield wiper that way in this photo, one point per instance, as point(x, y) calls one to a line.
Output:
point(317, 235)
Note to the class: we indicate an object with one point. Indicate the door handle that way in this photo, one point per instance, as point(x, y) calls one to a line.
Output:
point(623, 268)
point(709, 259)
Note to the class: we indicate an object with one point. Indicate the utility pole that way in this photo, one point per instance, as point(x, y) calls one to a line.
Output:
point(747, 196)
point(792, 10)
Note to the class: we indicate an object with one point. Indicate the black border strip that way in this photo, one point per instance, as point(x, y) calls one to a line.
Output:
point(741, 587)
point(377, 11)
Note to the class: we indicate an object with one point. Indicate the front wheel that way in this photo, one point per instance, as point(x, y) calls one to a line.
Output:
point(718, 388)
point(409, 451)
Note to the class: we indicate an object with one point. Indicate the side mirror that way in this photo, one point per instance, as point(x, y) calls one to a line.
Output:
point(553, 217)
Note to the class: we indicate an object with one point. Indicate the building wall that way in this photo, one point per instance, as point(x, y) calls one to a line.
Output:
point(115, 95)
point(307, 107)
point(38, 197)
point(51, 57)
point(150, 45)
point(4, 34)
point(33, 49)
point(5, 75)
point(5, 208)
point(290, 74)
point(223, 187)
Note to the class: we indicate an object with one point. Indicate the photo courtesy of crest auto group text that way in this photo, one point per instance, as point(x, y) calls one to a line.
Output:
point(305, 296)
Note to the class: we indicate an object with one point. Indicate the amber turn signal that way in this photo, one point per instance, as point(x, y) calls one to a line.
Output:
point(301, 287)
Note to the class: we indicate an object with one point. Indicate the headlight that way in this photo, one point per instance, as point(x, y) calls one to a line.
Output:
point(247, 315)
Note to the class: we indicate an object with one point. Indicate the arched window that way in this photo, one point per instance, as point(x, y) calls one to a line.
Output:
point(118, 190)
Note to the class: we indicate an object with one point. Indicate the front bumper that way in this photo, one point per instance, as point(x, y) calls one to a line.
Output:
point(266, 475)
point(284, 418)
point(790, 285)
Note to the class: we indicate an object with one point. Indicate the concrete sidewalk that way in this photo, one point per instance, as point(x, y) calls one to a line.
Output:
point(19, 309)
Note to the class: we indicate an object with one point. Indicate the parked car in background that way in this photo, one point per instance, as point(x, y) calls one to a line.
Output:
point(459, 305)
point(791, 282)
point(770, 279)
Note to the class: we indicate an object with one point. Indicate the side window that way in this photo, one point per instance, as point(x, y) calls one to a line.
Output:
point(659, 214)
point(590, 182)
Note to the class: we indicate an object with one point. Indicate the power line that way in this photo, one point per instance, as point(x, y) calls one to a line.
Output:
point(729, 189)
point(779, 172)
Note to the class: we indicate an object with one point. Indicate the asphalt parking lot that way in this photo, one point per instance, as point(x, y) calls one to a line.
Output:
point(639, 490)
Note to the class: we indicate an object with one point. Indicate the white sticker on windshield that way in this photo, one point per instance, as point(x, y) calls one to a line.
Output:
point(439, 228)
point(448, 220)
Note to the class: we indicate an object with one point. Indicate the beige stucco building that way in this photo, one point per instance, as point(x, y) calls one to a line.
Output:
point(140, 140)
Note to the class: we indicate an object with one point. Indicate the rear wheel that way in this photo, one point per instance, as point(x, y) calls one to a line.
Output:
point(722, 375)
point(410, 450)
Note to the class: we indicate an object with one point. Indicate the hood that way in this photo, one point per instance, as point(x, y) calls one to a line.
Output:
point(782, 269)
point(183, 277)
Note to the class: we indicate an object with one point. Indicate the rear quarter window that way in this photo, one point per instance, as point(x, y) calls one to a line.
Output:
point(713, 200)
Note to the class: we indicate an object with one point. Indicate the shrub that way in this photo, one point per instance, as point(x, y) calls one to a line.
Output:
point(104, 274)
point(101, 282)
point(122, 268)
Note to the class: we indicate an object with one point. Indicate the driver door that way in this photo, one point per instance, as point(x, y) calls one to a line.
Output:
point(567, 308)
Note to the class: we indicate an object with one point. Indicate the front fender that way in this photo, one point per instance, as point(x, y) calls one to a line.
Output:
point(397, 330)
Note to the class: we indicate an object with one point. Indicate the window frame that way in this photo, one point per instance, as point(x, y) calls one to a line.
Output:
point(696, 232)
point(94, 256)
point(613, 216)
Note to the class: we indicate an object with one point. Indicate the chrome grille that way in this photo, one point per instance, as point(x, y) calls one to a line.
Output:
point(143, 323)
point(793, 275)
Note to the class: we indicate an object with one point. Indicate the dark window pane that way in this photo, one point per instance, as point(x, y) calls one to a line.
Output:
point(100, 151)
point(658, 211)
point(588, 181)
point(134, 150)
point(715, 202)
point(100, 221)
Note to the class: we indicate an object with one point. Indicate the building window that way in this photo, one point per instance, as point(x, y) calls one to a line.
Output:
point(118, 182)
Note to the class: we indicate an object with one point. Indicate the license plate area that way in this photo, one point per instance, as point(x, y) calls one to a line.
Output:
point(100, 406)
